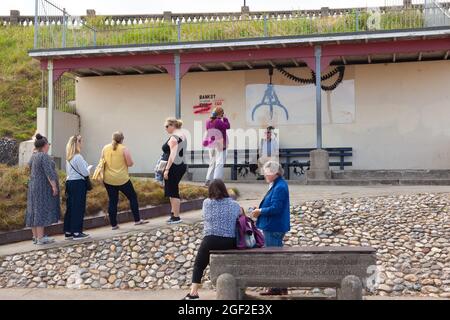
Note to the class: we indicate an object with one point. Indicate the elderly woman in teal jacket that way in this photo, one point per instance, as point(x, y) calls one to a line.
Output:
point(273, 213)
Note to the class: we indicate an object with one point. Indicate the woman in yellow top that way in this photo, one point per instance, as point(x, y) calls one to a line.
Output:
point(116, 178)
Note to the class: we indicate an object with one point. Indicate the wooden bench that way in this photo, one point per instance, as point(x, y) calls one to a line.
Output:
point(289, 158)
point(343, 268)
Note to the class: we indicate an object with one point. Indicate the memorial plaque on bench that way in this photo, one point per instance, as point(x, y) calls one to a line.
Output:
point(293, 267)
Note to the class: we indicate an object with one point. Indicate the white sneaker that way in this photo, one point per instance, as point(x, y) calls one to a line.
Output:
point(44, 240)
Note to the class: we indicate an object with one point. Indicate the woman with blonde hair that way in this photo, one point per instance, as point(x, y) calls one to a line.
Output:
point(173, 153)
point(118, 159)
point(77, 171)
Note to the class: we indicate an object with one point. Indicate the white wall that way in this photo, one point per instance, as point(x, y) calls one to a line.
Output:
point(65, 126)
point(402, 118)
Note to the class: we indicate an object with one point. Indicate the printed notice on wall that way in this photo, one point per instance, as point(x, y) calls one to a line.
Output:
point(286, 105)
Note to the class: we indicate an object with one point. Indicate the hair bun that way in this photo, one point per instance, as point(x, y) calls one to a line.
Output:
point(39, 136)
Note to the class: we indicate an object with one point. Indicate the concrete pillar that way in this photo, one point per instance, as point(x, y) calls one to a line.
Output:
point(245, 9)
point(91, 13)
point(324, 11)
point(226, 287)
point(351, 289)
point(407, 3)
point(14, 16)
point(167, 16)
point(319, 165)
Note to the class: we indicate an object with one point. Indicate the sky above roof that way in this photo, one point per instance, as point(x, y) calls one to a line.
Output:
point(78, 7)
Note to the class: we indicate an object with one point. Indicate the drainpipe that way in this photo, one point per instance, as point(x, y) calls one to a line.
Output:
point(50, 106)
point(177, 86)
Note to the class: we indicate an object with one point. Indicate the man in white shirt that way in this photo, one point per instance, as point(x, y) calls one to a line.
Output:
point(268, 150)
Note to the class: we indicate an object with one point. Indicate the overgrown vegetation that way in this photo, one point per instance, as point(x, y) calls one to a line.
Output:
point(13, 196)
point(20, 76)
point(97, 32)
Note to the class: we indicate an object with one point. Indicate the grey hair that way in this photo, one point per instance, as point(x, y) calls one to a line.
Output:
point(274, 167)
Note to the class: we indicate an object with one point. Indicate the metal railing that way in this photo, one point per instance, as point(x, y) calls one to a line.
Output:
point(55, 28)
point(63, 93)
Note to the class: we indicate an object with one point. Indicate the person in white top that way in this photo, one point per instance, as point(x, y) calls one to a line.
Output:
point(269, 150)
point(77, 171)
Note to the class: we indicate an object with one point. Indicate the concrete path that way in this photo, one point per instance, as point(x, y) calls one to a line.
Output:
point(69, 294)
point(251, 195)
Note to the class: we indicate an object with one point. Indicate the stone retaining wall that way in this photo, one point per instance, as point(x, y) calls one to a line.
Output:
point(9, 151)
point(410, 233)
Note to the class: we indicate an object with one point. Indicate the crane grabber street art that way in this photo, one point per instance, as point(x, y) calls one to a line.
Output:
point(270, 99)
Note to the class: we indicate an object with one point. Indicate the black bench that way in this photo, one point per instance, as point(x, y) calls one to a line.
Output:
point(289, 158)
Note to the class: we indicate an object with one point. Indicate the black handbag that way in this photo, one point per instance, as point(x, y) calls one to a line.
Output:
point(87, 180)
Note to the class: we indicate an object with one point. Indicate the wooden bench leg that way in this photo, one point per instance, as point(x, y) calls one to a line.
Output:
point(227, 287)
point(351, 289)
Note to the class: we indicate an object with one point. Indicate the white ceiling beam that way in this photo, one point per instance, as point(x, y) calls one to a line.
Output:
point(77, 74)
point(118, 71)
point(203, 67)
point(420, 56)
point(231, 48)
point(272, 64)
point(369, 59)
point(138, 70)
point(96, 72)
point(296, 62)
point(446, 55)
point(344, 60)
point(248, 64)
point(158, 69)
point(394, 57)
point(284, 45)
point(227, 66)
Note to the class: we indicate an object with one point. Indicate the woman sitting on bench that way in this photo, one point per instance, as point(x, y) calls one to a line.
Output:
point(220, 213)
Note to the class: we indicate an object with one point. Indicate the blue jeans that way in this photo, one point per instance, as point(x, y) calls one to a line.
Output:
point(273, 239)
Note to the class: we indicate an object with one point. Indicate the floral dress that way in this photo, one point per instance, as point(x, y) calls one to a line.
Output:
point(43, 209)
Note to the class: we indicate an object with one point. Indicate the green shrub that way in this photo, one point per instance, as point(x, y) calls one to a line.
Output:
point(13, 196)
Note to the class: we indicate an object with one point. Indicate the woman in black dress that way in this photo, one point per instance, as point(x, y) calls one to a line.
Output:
point(173, 151)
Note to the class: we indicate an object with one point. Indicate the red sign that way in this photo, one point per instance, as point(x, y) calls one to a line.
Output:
point(207, 102)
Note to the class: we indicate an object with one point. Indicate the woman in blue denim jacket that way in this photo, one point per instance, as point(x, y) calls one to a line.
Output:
point(273, 213)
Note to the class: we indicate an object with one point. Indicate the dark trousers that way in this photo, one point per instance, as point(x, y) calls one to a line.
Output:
point(202, 260)
point(113, 193)
point(75, 206)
